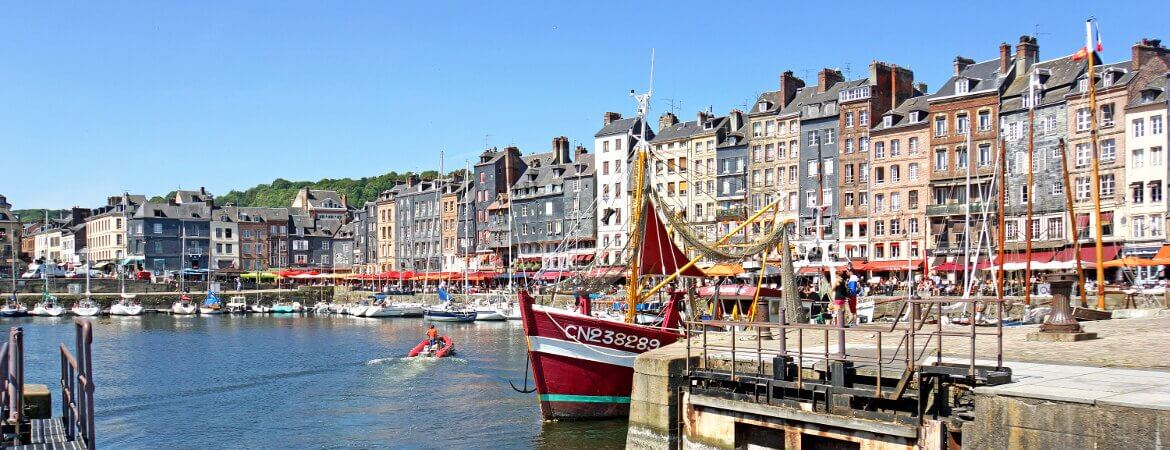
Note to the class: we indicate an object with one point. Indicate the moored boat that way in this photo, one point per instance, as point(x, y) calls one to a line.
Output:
point(49, 307)
point(446, 313)
point(284, 307)
point(12, 308)
point(126, 306)
point(237, 305)
point(184, 306)
point(86, 308)
point(211, 305)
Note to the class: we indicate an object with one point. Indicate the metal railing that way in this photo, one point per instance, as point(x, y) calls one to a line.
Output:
point(911, 339)
point(77, 386)
point(12, 370)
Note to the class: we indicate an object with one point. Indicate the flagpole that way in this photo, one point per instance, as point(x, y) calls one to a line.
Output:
point(1091, 52)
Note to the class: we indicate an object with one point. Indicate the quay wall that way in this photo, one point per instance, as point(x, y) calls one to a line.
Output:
point(1018, 422)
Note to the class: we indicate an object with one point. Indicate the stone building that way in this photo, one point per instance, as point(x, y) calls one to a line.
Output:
point(964, 113)
point(311, 241)
point(861, 102)
point(1146, 142)
point(343, 252)
point(774, 163)
point(666, 166)
point(731, 183)
point(10, 229)
point(417, 238)
point(165, 238)
point(494, 175)
point(552, 204)
point(454, 226)
point(819, 127)
point(614, 146)
point(701, 179)
point(896, 237)
point(1051, 81)
point(387, 252)
point(106, 229)
point(365, 239)
point(322, 204)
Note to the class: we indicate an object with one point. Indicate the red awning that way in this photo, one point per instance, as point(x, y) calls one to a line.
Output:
point(730, 292)
point(1089, 253)
point(583, 258)
point(1037, 257)
point(554, 275)
point(883, 266)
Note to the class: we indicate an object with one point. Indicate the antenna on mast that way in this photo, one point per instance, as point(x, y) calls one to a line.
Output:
point(651, 89)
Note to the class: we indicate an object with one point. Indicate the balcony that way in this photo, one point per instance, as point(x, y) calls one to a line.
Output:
point(734, 213)
point(956, 208)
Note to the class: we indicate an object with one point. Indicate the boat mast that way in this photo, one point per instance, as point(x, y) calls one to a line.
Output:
point(637, 205)
point(438, 218)
point(1096, 191)
point(968, 268)
point(466, 209)
point(1002, 217)
point(1072, 216)
point(182, 255)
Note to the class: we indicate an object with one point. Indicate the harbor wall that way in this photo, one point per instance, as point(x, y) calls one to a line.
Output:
point(654, 399)
point(1017, 422)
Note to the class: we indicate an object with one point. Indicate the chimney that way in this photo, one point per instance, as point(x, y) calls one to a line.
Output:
point(1005, 58)
point(1027, 53)
point(411, 180)
point(580, 150)
point(611, 117)
point(962, 63)
point(736, 117)
point(560, 150)
point(920, 86)
point(344, 200)
point(789, 84)
point(666, 120)
point(702, 117)
point(826, 78)
point(1149, 49)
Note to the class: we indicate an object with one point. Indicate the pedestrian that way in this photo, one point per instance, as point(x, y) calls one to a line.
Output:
point(840, 297)
point(853, 289)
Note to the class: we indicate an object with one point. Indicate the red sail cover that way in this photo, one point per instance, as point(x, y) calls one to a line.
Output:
point(659, 255)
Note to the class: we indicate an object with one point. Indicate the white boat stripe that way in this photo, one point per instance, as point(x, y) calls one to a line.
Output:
point(582, 351)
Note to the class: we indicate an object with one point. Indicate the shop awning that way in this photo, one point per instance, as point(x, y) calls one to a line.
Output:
point(741, 291)
point(1089, 253)
point(554, 275)
point(1132, 261)
point(583, 257)
point(1021, 258)
point(724, 270)
point(957, 267)
point(885, 266)
point(1163, 255)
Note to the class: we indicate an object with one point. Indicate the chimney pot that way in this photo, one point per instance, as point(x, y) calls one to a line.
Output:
point(962, 63)
point(611, 117)
point(666, 120)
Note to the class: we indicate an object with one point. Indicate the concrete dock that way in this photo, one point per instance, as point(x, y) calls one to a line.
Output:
point(1111, 392)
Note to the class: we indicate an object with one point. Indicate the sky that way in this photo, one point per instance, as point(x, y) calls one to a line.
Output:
point(100, 98)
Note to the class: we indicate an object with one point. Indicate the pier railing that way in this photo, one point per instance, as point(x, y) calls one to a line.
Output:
point(906, 346)
point(12, 371)
point(77, 386)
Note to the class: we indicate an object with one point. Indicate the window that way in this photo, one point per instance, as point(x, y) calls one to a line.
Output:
point(1108, 185)
point(895, 205)
point(863, 144)
point(810, 199)
point(940, 126)
point(1058, 188)
point(1108, 150)
point(888, 121)
point(961, 159)
point(1155, 191)
point(961, 86)
point(879, 150)
point(1049, 123)
point(1155, 156)
point(940, 159)
point(1082, 185)
point(848, 199)
point(1139, 226)
point(849, 173)
point(1011, 229)
point(1023, 194)
point(829, 135)
point(913, 225)
point(1082, 119)
point(828, 165)
point(984, 120)
point(1137, 193)
point(912, 199)
point(849, 119)
point(813, 138)
point(1139, 127)
point(1155, 125)
point(879, 175)
point(863, 118)
point(879, 226)
point(913, 171)
point(1138, 159)
point(849, 146)
point(863, 172)
point(914, 117)
point(1082, 155)
point(984, 155)
point(895, 173)
point(756, 128)
point(1107, 115)
point(1035, 228)
point(962, 124)
point(913, 144)
point(769, 128)
point(895, 148)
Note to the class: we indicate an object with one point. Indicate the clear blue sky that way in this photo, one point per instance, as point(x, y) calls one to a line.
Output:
point(103, 97)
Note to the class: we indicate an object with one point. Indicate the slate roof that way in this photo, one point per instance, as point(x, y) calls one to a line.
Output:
point(1118, 68)
point(256, 214)
point(199, 196)
point(901, 114)
point(1153, 92)
point(1060, 81)
point(344, 232)
point(802, 95)
point(317, 197)
point(983, 76)
point(622, 126)
point(829, 96)
point(678, 131)
point(545, 173)
point(172, 211)
point(771, 100)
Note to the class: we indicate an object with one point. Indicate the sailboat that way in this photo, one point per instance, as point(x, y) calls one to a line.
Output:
point(86, 307)
point(184, 306)
point(583, 365)
point(13, 308)
point(212, 305)
point(48, 306)
point(126, 305)
point(446, 311)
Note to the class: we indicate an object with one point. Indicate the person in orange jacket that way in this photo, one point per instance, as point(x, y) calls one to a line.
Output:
point(432, 335)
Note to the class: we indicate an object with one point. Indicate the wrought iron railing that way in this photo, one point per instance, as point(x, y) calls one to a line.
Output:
point(12, 371)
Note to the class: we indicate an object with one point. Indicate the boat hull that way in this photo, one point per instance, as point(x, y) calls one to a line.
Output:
point(124, 310)
point(583, 366)
point(490, 314)
point(450, 316)
point(184, 310)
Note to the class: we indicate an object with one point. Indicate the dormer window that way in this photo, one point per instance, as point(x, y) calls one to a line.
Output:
point(708, 125)
point(961, 86)
point(763, 106)
point(888, 121)
point(1083, 85)
point(915, 116)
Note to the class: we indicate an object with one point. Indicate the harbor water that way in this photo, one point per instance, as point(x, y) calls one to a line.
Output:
point(273, 381)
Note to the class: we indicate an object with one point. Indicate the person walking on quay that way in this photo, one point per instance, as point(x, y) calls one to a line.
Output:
point(840, 297)
point(853, 289)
